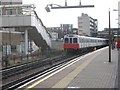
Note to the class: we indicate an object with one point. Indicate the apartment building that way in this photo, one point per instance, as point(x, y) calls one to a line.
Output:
point(87, 25)
point(67, 28)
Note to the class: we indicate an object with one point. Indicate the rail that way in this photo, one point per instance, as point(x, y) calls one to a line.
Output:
point(53, 63)
point(27, 66)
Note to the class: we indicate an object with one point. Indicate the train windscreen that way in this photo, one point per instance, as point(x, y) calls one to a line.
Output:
point(66, 40)
point(74, 40)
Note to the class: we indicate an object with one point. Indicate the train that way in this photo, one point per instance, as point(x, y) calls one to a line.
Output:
point(79, 43)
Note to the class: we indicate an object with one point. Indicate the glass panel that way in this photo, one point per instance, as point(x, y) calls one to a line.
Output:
point(66, 40)
point(74, 40)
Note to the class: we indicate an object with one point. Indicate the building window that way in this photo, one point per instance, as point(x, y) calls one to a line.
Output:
point(9, 12)
point(80, 26)
point(80, 22)
point(10, 2)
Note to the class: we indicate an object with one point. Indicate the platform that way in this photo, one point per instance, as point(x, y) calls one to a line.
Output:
point(91, 71)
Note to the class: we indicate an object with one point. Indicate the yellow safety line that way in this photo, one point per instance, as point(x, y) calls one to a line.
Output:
point(66, 80)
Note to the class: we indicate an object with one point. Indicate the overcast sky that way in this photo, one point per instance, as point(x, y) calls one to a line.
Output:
point(69, 16)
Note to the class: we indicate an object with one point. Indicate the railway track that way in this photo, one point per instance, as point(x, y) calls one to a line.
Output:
point(6, 73)
point(48, 64)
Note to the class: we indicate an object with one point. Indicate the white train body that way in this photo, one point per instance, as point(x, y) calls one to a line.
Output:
point(78, 42)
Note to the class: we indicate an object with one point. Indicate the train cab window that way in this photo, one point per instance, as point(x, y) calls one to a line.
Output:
point(74, 40)
point(70, 40)
point(66, 40)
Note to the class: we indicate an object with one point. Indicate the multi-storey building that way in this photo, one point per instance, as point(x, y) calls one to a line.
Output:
point(87, 25)
point(9, 37)
point(20, 18)
point(59, 32)
point(67, 28)
point(55, 32)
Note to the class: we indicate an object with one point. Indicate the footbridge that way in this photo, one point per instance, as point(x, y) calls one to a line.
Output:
point(23, 18)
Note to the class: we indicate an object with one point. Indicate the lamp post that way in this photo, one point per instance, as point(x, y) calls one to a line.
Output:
point(109, 39)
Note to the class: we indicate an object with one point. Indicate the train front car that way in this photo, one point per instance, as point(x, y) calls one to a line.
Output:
point(77, 44)
point(71, 43)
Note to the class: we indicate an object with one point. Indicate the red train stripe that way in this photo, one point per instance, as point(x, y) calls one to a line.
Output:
point(72, 46)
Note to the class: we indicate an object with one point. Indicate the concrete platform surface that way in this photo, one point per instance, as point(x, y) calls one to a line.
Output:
point(90, 71)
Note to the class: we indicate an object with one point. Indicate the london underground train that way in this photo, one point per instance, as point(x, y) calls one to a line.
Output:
point(78, 43)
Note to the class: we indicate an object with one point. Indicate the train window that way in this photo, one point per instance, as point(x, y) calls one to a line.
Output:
point(66, 40)
point(70, 40)
point(74, 40)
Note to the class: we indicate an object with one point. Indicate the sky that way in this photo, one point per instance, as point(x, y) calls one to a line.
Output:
point(69, 16)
